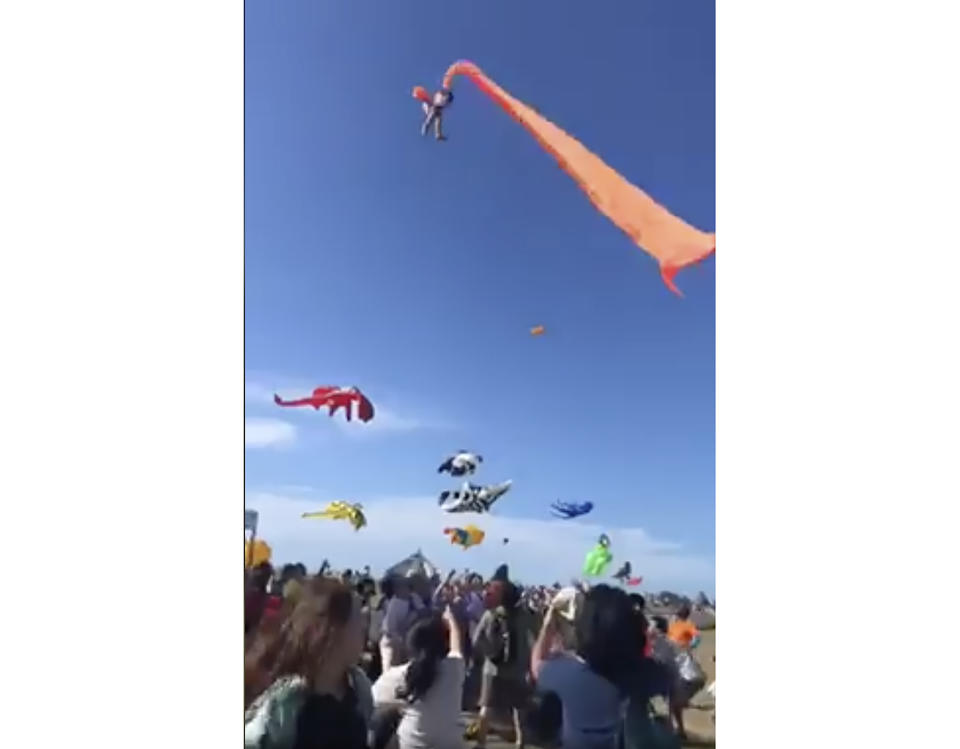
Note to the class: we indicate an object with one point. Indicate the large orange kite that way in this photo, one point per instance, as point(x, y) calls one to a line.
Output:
point(671, 240)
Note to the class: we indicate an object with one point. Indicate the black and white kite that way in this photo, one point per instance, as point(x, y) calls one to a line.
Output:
point(473, 498)
point(461, 464)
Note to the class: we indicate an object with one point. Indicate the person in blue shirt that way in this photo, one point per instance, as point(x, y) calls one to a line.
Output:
point(594, 682)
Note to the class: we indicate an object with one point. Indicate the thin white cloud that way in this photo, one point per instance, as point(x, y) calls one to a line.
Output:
point(539, 550)
point(299, 489)
point(385, 421)
point(259, 393)
point(260, 433)
point(254, 392)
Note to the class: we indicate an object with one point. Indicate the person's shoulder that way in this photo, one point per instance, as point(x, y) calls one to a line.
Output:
point(385, 687)
point(454, 665)
point(558, 672)
point(391, 675)
point(561, 663)
point(359, 679)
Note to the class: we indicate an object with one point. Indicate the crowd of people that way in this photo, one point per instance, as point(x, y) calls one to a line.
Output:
point(344, 660)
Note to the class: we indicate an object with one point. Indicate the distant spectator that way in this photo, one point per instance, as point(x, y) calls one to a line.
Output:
point(398, 616)
point(255, 595)
point(639, 606)
point(683, 631)
point(685, 673)
point(658, 676)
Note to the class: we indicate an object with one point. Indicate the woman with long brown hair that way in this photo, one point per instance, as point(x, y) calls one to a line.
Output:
point(302, 687)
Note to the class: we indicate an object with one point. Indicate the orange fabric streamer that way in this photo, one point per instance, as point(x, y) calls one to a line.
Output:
point(673, 242)
point(420, 94)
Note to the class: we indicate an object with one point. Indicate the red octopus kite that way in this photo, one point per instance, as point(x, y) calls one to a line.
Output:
point(674, 243)
point(335, 398)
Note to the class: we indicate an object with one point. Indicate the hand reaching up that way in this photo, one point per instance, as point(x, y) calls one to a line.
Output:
point(456, 643)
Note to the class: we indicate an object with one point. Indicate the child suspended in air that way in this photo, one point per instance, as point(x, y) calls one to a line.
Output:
point(434, 112)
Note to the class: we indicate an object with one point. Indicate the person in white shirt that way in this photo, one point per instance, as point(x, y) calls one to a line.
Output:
point(429, 688)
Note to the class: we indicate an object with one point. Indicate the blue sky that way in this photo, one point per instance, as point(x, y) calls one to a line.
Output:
point(415, 270)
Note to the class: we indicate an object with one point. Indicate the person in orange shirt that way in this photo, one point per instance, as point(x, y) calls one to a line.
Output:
point(682, 631)
point(685, 636)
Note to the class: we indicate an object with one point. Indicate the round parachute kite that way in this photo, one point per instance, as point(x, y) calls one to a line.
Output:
point(465, 537)
point(256, 552)
point(674, 243)
point(341, 511)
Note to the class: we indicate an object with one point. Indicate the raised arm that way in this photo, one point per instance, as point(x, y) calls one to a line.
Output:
point(441, 591)
point(541, 648)
point(456, 638)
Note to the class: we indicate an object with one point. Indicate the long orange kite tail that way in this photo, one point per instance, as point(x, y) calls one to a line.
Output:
point(672, 241)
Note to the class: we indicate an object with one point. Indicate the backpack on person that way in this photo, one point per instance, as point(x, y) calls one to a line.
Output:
point(503, 637)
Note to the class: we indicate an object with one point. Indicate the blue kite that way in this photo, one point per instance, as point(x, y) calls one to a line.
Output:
point(569, 510)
